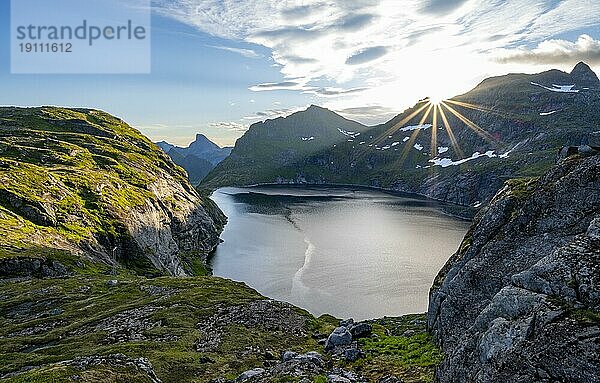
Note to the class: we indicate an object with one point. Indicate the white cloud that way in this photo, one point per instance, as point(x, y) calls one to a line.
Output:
point(249, 53)
point(559, 52)
point(283, 85)
point(231, 126)
point(404, 50)
point(272, 113)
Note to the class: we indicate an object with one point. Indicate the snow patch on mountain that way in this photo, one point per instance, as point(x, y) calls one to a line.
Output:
point(558, 88)
point(445, 162)
point(349, 134)
point(415, 127)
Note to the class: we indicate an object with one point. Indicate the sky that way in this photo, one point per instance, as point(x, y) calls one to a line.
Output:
point(218, 66)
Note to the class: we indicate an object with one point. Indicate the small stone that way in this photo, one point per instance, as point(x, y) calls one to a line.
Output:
point(408, 333)
point(333, 378)
point(205, 359)
point(288, 355)
point(112, 283)
point(348, 323)
point(390, 379)
point(250, 374)
point(353, 354)
point(361, 330)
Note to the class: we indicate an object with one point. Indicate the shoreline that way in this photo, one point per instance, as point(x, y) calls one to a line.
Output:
point(469, 210)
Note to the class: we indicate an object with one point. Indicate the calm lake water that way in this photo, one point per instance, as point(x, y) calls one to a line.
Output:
point(346, 252)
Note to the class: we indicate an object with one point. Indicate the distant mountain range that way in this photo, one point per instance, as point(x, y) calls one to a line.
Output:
point(461, 150)
point(198, 159)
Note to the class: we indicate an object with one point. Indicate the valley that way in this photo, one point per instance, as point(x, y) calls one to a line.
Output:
point(108, 252)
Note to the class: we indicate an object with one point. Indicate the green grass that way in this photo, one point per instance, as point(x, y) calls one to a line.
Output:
point(522, 188)
point(71, 310)
point(410, 356)
point(81, 172)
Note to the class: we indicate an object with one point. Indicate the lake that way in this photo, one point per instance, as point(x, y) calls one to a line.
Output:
point(349, 252)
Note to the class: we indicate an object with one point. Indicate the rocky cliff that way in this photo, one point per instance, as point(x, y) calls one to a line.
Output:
point(80, 188)
point(520, 300)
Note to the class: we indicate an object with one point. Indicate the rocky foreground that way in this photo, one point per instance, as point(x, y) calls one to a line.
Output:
point(520, 300)
point(204, 329)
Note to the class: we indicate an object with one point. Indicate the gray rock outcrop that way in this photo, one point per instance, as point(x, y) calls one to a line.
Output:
point(520, 300)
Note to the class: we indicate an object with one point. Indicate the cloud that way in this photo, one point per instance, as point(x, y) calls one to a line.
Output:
point(367, 113)
point(230, 126)
point(300, 60)
point(329, 92)
point(366, 55)
point(442, 7)
point(249, 53)
point(556, 52)
point(413, 48)
point(272, 113)
point(415, 37)
point(283, 85)
point(355, 22)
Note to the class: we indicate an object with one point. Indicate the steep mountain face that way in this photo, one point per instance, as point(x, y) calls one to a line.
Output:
point(520, 300)
point(275, 150)
point(507, 127)
point(198, 159)
point(81, 188)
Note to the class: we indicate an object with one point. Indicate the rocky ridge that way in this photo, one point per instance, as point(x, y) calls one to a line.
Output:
point(80, 187)
point(520, 300)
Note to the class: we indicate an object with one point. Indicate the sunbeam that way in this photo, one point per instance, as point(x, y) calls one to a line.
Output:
point(434, 132)
point(453, 140)
point(399, 124)
point(473, 126)
point(413, 136)
point(433, 107)
point(482, 108)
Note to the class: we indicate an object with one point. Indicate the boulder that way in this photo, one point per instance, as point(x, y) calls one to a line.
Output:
point(353, 354)
point(361, 330)
point(288, 355)
point(339, 337)
point(246, 375)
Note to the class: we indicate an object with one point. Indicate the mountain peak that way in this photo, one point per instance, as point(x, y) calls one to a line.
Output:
point(584, 75)
point(201, 137)
point(317, 109)
point(202, 144)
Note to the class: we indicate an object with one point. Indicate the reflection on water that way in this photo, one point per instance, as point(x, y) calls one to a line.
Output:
point(350, 253)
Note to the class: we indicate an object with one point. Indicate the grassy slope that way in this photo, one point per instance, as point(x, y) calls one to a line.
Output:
point(79, 171)
point(48, 321)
